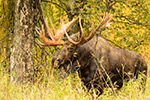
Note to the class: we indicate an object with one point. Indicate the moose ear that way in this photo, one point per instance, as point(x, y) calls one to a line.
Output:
point(75, 54)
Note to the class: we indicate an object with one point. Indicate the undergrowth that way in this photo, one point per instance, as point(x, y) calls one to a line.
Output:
point(54, 86)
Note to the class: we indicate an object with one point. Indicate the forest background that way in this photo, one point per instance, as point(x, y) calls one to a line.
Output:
point(130, 29)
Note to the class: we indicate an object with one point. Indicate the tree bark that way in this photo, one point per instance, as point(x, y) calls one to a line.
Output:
point(21, 60)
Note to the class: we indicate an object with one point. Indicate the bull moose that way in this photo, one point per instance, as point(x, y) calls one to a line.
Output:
point(94, 57)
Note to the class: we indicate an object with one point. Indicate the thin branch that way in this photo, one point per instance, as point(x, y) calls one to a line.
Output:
point(63, 3)
point(56, 4)
point(109, 4)
point(137, 44)
point(42, 17)
point(123, 3)
point(6, 57)
point(113, 43)
point(132, 22)
point(5, 36)
point(42, 48)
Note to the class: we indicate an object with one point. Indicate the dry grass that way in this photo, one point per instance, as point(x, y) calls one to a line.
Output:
point(55, 87)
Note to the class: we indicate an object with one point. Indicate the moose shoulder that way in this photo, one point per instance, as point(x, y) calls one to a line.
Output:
point(93, 57)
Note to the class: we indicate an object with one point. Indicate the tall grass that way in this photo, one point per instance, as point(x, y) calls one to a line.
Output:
point(51, 87)
point(54, 86)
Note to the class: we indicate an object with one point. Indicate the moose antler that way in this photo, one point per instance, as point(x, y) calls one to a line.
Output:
point(47, 42)
point(58, 34)
point(102, 24)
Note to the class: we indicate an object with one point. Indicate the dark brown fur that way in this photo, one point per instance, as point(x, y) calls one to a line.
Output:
point(90, 57)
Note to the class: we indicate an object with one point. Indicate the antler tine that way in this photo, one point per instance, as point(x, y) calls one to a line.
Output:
point(82, 32)
point(59, 33)
point(104, 21)
point(50, 33)
point(55, 31)
point(61, 22)
point(40, 35)
point(46, 41)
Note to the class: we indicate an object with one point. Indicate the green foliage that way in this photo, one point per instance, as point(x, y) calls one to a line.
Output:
point(6, 27)
point(130, 28)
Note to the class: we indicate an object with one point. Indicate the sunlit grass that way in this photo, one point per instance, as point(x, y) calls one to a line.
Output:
point(53, 86)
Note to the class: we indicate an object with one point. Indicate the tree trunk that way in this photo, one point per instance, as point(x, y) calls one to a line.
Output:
point(21, 60)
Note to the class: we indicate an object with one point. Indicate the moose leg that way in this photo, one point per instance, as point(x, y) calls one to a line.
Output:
point(141, 69)
point(119, 83)
point(143, 75)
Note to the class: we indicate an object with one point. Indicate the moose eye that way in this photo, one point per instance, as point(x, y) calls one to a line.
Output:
point(70, 49)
